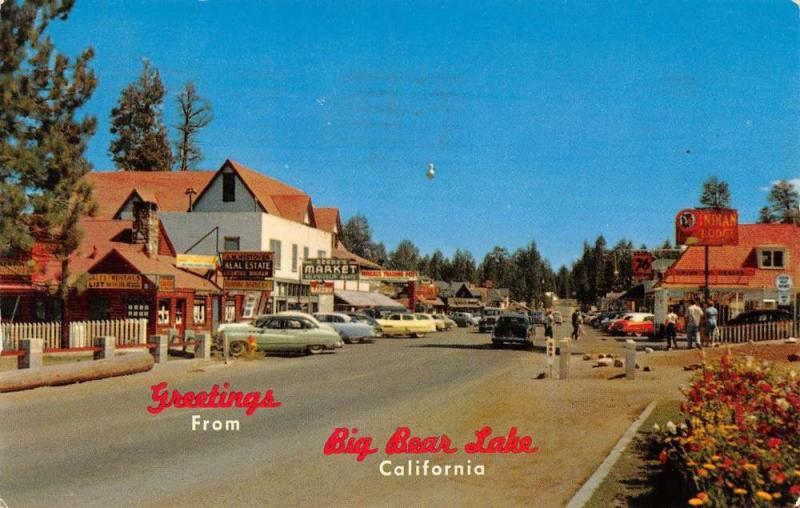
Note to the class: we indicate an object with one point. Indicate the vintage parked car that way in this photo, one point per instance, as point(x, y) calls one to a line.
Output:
point(405, 324)
point(537, 318)
point(350, 330)
point(634, 324)
point(760, 316)
point(446, 322)
point(463, 319)
point(609, 320)
point(513, 329)
point(488, 319)
point(363, 318)
point(428, 319)
point(281, 333)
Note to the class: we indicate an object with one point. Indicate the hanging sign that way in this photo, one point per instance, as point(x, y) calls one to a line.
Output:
point(707, 227)
point(389, 275)
point(196, 261)
point(318, 287)
point(330, 269)
point(247, 270)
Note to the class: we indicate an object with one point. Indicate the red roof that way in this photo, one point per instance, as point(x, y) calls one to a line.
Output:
point(737, 265)
point(113, 188)
point(328, 219)
point(295, 208)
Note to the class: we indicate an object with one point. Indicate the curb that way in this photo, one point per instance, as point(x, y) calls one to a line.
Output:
point(584, 494)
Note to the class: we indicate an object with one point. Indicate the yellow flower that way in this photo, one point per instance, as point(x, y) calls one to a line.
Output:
point(702, 497)
point(703, 473)
point(750, 467)
point(797, 472)
point(739, 491)
point(715, 457)
point(764, 495)
point(695, 502)
point(709, 466)
point(776, 495)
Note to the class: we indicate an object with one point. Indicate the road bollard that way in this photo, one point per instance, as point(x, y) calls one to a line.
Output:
point(630, 359)
point(202, 346)
point(107, 347)
point(551, 357)
point(563, 358)
point(225, 347)
point(34, 351)
point(161, 350)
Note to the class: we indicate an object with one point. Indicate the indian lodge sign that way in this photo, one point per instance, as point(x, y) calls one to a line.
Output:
point(247, 270)
point(707, 227)
point(330, 269)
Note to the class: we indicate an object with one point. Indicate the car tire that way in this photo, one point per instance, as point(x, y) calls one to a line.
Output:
point(237, 348)
point(315, 349)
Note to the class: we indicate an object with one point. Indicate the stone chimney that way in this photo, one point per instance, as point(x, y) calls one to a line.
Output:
point(145, 226)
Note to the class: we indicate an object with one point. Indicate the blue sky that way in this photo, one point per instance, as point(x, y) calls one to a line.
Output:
point(553, 121)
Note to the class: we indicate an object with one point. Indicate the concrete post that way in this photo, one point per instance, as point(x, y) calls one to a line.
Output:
point(161, 351)
point(563, 358)
point(225, 347)
point(107, 345)
point(630, 359)
point(202, 346)
point(172, 334)
point(34, 352)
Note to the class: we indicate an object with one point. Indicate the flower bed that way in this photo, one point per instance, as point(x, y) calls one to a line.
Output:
point(740, 442)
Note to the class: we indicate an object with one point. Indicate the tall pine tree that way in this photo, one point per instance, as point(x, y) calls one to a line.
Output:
point(141, 142)
point(195, 113)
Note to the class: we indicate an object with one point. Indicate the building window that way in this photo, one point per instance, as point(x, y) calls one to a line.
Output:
point(249, 309)
point(163, 312)
point(231, 243)
point(137, 309)
point(294, 257)
point(228, 187)
point(322, 254)
point(230, 311)
point(306, 253)
point(98, 308)
point(179, 313)
point(199, 312)
point(275, 247)
point(772, 258)
point(40, 310)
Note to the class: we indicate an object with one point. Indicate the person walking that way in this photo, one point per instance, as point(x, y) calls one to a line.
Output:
point(694, 316)
point(671, 332)
point(548, 324)
point(710, 322)
point(576, 325)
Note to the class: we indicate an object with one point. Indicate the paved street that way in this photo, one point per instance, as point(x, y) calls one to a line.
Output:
point(95, 444)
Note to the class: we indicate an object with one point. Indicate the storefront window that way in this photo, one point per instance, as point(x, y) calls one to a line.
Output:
point(40, 310)
point(179, 312)
point(98, 308)
point(250, 305)
point(230, 311)
point(163, 312)
point(199, 312)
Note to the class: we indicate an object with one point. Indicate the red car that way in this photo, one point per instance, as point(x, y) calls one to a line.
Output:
point(634, 324)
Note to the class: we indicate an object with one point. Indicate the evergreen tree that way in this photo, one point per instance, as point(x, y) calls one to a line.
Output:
point(715, 194)
point(43, 193)
point(405, 256)
point(357, 236)
point(765, 216)
point(195, 113)
point(377, 252)
point(783, 201)
point(437, 265)
point(464, 266)
point(563, 283)
point(141, 142)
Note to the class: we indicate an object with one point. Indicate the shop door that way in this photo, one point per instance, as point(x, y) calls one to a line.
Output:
point(180, 316)
point(215, 313)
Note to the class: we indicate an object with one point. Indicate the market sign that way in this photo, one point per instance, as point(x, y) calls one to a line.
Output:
point(707, 227)
point(642, 265)
point(114, 281)
point(330, 269)
point(389, 275)
point(247, 270)
point(196, 261)
point(321, 287)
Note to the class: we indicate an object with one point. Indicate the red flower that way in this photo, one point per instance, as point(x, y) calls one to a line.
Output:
point(774, 442)
point(794, 490)
point(662, 457)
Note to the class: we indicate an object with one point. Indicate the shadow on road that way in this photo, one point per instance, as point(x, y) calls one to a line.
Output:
point(484, 347)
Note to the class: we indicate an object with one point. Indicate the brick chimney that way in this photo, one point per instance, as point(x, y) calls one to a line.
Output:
point(145, 226)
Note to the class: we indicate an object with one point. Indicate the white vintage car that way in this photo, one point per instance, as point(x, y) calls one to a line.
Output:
point(406, 324)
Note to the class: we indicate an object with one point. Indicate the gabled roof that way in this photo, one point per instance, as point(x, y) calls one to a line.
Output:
point(112, 189)
point(328, 219)
point(295, 208)
point(737, 265)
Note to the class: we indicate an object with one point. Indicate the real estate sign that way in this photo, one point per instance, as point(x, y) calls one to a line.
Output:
point(707, 227)
point(330, 269)
point(247, 270)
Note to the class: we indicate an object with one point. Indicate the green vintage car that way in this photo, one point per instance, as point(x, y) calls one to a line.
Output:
point(281, 333)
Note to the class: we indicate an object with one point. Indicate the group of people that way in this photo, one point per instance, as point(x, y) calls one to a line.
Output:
point(549, 320)
point(698, 321)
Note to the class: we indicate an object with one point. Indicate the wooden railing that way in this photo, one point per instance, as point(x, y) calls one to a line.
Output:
point(776, 330)
point(81, 333)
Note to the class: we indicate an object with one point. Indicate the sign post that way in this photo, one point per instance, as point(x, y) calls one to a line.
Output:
point(551, 357)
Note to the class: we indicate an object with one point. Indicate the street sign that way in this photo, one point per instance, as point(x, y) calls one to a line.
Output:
point(642, 265)
point(784, 298)
point(318, 287)
point(330, 269)
point(707, 227)
point(783, 282)
point(114, 281)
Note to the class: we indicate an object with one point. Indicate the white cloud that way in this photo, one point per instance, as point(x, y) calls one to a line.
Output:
point(794, 181)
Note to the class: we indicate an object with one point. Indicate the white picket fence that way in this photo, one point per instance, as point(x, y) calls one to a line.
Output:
point(758, 331)
point(127, 331)
point(81, 333)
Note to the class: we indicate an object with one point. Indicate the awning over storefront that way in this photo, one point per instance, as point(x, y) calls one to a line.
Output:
point(464, 303)
point(434, 302)
point(364, 299)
